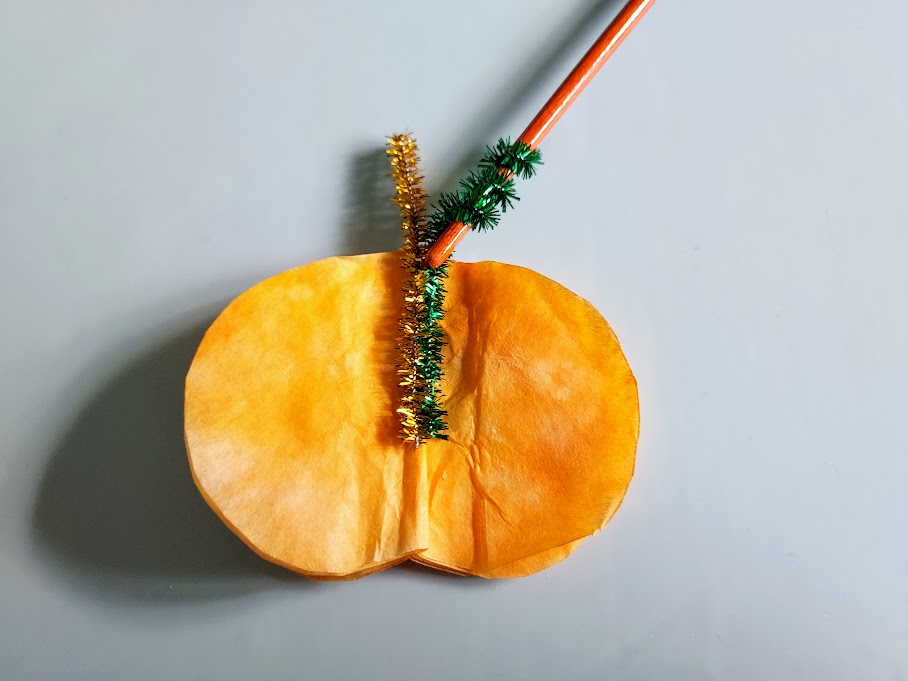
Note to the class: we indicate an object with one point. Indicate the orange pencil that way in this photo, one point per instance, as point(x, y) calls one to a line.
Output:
point(555, 108)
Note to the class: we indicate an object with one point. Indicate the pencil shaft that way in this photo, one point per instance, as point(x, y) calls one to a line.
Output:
point(585, 71)
point(555, 108)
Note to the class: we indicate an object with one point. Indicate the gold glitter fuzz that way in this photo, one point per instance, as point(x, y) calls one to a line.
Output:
point(411, 199)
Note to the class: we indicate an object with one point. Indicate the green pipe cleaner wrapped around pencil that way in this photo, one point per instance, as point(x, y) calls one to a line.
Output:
point(483, 196)
point(487, 192)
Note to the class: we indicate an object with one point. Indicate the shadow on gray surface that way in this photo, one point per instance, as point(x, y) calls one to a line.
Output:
point(524, 85)
point(117, 508)
point(372, 224)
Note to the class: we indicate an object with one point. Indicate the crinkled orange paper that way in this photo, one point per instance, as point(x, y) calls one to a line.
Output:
point(293, 437)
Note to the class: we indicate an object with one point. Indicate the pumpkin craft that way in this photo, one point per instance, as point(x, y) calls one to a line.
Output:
point(479, 418)
point(292, 435)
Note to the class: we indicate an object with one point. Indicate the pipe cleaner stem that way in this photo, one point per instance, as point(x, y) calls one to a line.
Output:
point(488, 191)
point(421, 341)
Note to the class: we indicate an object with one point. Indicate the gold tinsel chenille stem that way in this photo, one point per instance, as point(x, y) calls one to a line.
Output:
point(411, 199)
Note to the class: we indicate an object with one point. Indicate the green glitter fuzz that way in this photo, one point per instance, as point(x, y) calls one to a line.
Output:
point(487, 192)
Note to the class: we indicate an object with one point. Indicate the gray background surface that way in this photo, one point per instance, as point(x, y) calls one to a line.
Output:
point(730, 193)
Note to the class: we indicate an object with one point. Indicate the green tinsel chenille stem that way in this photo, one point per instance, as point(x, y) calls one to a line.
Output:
point(488, 191)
